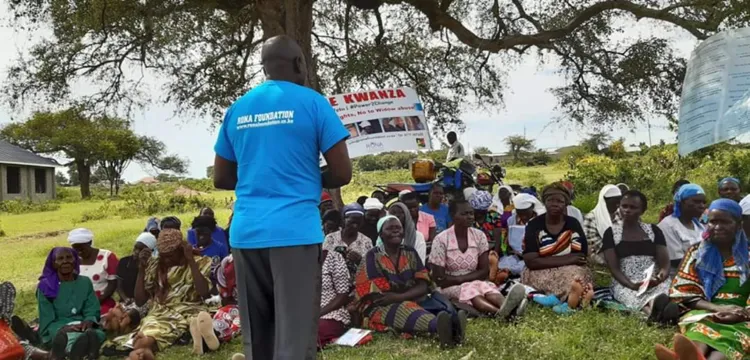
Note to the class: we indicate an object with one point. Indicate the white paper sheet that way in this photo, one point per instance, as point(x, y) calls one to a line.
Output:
point(515, 237)
point(352, 337)
point(646, 280)
point(695, 318)
point(715, 101)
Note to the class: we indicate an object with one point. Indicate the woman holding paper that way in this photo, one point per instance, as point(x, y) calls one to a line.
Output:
point(713, 279)
point(632, 248)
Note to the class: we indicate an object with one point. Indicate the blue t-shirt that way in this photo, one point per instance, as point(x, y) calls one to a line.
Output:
point(218, 247)
point(442, 216)
point(275, 133)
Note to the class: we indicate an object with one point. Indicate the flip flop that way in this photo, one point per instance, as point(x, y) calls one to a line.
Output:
point(562, 309)
point(462, 321)
point(515, 296)
point(546, 300)
point(521, 309)
point(670, 315)
point(657, 307)
point(80, 348)
point(59, 343)
point(94, 344)
point(206, 328)
point(197, 338)
point(445, 330)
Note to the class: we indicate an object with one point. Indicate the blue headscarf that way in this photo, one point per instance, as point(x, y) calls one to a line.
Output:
point(685, 192)
point(353, 208)
point(710, 264)
point(382, 222)
point(729, 179)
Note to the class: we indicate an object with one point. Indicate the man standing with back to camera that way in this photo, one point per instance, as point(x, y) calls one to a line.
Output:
point(267, 151)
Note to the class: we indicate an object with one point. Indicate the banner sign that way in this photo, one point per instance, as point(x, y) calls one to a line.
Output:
point(715, 102)
point(382, 120)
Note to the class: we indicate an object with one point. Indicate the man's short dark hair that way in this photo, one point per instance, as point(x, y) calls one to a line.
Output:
point(452, 134)
point(410, 196)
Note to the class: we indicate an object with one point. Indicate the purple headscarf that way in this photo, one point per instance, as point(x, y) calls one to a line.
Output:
point(49, 282)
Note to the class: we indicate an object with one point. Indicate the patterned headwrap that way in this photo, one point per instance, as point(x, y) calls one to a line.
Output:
point(49, 282)
point(685, 192)
point(382, 222)
point(480, 200)
point(710, 264)
point(169, 241)
point(556, 189)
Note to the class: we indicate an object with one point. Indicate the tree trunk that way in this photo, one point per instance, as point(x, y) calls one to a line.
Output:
point(295, 19)
point(84, 177)
point(117, 186)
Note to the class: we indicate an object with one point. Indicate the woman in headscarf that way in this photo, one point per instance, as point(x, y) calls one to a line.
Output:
point(630, 248)
point(392, 282)
point(68, 308)
point(460, 266)
point(373, 212)
point(600, 219)
point(682, 229)
point(486, 220)
point(729, 188)
point(350, 242)
point(99, 265)
point(127, 269)
point(412, 237)
point(502, 202)
point(170, 222)
point(555, 251)
point(176, 283)
point(713, 278)
point(215, 242)
point(331, 221)
point(153, 226)
point(527, 207)
point(669, 208)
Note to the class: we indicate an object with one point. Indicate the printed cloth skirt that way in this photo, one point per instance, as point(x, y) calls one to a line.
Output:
point(633, 267)
point(556, 281)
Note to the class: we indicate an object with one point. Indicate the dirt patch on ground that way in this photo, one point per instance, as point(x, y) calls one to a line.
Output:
point(185, 191)
point(36, 236)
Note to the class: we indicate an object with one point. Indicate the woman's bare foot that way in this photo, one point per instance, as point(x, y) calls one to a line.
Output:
point(686, 349)
point(574, 296)
point(141, 354)
point(664, 353)
point(588, 295)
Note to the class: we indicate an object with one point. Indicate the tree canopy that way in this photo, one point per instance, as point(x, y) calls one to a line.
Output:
point(519, 146)
point(450, 51)
point(105, 144)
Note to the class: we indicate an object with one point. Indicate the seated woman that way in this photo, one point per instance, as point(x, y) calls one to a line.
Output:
point(555, 251)
point(209, 239)
point(630, 247)
point(460, 266)
point(99, 265)
point(510, 263)
point(177, 284)
point(392, 284)
point(68, 308)
point(485, 220)
point(412, 237)
point(334, 296)
point(600, 219)
point(127, 269)
point(713, 278)
point(23, 349)
point(682, 229)
point(350, 241)
point(207, 222)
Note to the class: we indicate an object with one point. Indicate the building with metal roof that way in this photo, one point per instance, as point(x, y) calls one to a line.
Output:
point(25, 175)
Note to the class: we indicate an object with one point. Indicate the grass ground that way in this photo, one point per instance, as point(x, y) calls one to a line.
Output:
point(540, 335)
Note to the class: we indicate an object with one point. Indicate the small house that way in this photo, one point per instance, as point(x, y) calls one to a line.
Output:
point(25, 175)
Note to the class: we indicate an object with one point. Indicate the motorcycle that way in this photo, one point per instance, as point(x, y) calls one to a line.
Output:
point(454, 176)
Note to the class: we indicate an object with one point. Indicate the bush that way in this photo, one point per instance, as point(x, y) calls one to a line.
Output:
point(138, 201)
point(104, 211)
point(27, 206)
point(532, 178)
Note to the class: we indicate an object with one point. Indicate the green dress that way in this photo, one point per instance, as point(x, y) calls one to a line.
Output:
point(75, 302)
point(169, 319)
point(732, 340)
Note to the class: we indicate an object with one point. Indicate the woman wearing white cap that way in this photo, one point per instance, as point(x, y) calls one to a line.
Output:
point(127, 269)
point(99, 265)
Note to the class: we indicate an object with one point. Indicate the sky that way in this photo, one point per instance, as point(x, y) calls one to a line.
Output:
point(529, 109)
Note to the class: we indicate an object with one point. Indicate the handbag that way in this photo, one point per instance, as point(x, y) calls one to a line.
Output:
point(10, 348)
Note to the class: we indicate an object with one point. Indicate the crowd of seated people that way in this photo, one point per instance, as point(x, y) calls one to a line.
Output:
point(394, 264)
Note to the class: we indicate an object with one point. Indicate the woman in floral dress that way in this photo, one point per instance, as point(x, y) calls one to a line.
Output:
point(460, 266)
point(713, 278)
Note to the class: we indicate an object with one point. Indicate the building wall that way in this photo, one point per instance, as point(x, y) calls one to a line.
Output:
point(28, 185)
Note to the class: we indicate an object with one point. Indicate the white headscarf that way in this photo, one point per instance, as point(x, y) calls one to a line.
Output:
point(745, 204)
point(497, 203)
point(601, 213)
point(148, 239)
point(80, 236)
point(373, 204)
point(524, 201)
